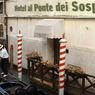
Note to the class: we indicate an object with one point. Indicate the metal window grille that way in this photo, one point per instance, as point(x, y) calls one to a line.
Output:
point(1, 8)
point(1, 30)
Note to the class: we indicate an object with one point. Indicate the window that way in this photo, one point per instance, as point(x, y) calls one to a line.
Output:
point(1, 30)
point(1, 8)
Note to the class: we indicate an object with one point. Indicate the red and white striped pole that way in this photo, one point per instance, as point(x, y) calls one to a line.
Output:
point(19, 55)
point(62, 65)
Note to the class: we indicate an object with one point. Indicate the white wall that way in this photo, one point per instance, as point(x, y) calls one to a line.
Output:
point(30, 43)
point(80, 34)
point(62, 13)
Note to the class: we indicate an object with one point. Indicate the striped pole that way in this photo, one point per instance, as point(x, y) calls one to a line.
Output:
point(62, 65)
point(19, 55)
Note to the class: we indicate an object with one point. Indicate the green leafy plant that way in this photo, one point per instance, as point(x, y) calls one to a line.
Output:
point(74, 69)
point(50, 65)
point(33, 54)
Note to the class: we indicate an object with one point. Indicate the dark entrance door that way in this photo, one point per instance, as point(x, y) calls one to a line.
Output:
point(56, 51)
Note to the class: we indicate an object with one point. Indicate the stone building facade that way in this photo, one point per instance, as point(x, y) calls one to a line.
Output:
point(78, 20)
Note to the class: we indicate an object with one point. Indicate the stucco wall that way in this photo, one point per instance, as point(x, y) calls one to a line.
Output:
point(80, 34)
point(30, 43)
point(61, 8)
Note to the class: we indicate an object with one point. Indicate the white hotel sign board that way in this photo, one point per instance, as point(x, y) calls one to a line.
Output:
point(52, 8)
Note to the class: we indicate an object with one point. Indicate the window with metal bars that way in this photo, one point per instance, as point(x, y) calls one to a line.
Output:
point(1, 30)
point(1, 8)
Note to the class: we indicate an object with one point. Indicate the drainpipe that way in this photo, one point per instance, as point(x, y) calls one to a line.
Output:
point(5, 22)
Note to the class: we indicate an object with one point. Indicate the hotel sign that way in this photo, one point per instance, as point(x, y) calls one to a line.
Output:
point(52, 8)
